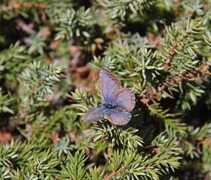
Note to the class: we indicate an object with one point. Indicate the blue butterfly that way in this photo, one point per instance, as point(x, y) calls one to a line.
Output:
point(117, 102)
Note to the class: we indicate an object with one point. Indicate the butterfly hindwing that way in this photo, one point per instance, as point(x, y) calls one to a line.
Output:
point(93, 115)
point(109, 84)
point(118, 117)
point(124, 98)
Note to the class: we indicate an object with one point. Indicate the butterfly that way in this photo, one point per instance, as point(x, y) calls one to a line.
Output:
point(117, 102)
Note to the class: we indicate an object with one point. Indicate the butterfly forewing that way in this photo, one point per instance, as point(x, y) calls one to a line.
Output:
point(109, 84)
point(117, 117)
point(124, 98)
point(93, 115)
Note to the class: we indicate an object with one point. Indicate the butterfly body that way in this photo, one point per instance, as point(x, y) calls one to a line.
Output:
point(108, 106)
point(117, 102)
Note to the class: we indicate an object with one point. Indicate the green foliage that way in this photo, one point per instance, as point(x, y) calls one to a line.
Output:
point(12, 61)
point(5, 103)
point(118, 136)
point(74, 24)
point(36, 43)
point(121, 10)
point(74, 167)
point(49, 54)
point(40, 78)
point(63, 146)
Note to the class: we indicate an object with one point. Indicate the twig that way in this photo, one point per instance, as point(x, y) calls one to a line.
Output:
point(109, 176)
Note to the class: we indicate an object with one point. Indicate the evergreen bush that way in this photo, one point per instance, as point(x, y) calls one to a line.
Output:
point(50, 55)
